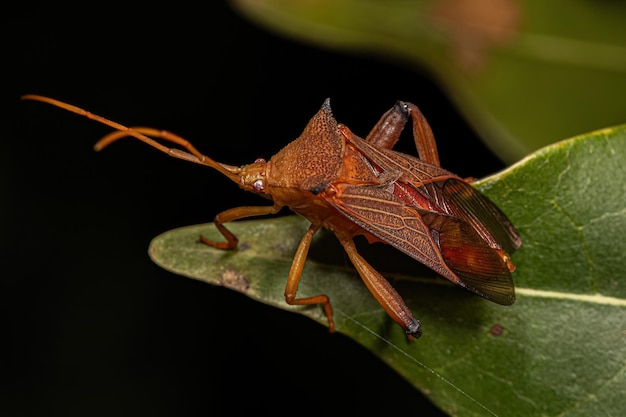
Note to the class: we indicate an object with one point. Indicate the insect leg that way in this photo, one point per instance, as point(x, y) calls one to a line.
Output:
point(382, 290)
point(387, 131)
point(295, 273)
point(423, 136)
point(234, 214)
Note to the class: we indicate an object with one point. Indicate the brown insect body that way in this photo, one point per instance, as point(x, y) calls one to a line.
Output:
point(355, 186)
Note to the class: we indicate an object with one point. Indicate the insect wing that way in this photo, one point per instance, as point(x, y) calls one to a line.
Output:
point(464, 201)
point(446, 244)
point(437, 189)
point(478, 267)
point(438, 219)
point(388, 218)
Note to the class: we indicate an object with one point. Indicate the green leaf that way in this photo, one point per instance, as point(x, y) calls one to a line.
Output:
point(559, 350)
point(524, 73)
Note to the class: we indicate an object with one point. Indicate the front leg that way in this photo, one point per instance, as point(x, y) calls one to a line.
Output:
point(235, 214)
point(387, 131)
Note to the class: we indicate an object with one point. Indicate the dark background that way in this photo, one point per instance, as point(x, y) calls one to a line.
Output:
point(90, 326)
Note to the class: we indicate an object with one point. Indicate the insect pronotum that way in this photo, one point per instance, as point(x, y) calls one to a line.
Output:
point(354, 186)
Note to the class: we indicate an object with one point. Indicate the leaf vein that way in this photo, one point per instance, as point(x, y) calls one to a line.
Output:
point(584, 298)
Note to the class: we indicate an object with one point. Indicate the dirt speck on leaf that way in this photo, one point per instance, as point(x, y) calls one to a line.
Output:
point(496, 330)
point(231, 279)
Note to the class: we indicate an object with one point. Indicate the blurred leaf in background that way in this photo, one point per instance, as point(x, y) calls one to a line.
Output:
point(525, 73)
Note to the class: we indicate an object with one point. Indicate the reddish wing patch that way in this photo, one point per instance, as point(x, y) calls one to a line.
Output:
point(479, 267)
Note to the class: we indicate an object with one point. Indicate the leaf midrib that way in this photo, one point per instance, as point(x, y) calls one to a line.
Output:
point(585, 298)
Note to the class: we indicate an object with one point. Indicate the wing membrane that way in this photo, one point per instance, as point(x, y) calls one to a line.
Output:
point(479, 267)
point(486, 218)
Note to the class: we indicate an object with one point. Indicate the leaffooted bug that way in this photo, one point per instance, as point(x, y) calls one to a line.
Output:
point(354, 186)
